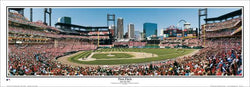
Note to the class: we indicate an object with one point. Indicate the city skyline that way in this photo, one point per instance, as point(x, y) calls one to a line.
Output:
point(163, 17)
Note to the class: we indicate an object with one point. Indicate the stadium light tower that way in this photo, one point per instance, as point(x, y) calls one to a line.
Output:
point(46, 11)
point(202, 12)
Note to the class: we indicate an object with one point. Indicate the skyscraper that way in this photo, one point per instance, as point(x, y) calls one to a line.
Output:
point(150, 29)
point(131, 31)
point(161, 32)
point(138, 35)
point(120, 28)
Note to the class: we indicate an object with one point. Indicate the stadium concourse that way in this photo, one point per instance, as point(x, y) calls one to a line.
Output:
point(33, 49)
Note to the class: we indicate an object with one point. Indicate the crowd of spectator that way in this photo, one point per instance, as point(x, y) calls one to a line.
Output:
point(136, 43)
point(171, 45)
point(221, 33)
point(222, 25)
point(51, 34)
point(39, 59)
point(15, 17)
point(215, 59)
point(192, 42)
point(235, 43)
point(96, 33)
point(13, 38)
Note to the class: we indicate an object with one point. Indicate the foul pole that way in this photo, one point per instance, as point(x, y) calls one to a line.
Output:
point(98, 39)
point(204, 31)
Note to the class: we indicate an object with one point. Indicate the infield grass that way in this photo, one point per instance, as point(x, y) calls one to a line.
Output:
point(115, 55)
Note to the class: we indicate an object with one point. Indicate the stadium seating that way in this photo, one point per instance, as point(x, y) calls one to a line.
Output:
point(222, 25)
point(215, 59)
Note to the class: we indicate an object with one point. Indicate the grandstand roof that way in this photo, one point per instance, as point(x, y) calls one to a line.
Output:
point(225, 16)
point(16, 8)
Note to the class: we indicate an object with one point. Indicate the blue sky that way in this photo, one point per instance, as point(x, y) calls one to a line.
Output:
point(164, 17)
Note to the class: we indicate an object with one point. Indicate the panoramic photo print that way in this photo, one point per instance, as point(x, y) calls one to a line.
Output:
point(125, 41)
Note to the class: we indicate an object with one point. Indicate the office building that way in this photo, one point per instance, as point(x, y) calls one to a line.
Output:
point(149, 29)
point(137, 35)
point(120, 29)
point(131, 31)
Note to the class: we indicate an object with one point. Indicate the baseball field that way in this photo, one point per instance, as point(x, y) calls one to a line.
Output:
point(117, 56)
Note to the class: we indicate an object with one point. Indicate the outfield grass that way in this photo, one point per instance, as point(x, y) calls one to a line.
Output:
point(116, 55)
point(162, 55)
